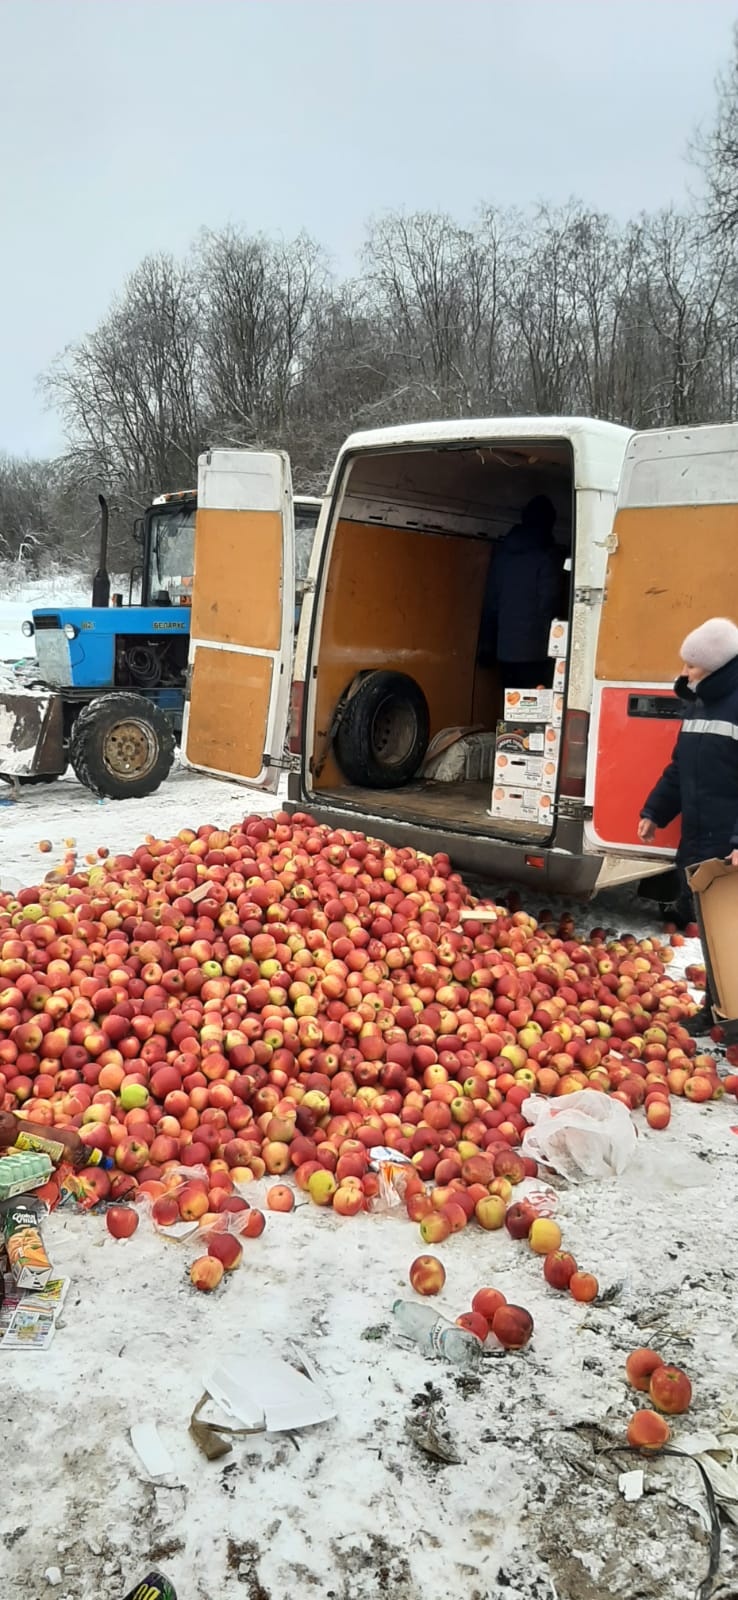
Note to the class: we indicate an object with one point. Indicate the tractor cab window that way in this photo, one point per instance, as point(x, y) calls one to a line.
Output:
point(171, 554)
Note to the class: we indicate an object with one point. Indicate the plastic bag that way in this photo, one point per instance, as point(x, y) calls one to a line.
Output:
point(582, 1136)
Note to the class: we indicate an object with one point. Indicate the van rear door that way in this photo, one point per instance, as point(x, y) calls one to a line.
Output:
point(671, 565)
point(243, 607)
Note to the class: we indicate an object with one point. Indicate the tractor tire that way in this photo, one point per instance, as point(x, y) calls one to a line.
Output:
point(382, 731)
point(122, 747)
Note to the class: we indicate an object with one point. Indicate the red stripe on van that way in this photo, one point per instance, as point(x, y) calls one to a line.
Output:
point(574, 754)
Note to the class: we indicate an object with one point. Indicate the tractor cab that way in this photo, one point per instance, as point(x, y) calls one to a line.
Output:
point(168, 539)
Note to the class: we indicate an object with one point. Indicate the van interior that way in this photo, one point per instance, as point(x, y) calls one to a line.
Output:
point(402, 587)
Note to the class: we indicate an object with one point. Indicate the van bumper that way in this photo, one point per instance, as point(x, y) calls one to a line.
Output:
point(565, 870)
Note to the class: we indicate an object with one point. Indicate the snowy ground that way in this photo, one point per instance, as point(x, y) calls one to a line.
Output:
point(354, 1510)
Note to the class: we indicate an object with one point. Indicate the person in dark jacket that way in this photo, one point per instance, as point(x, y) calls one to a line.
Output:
point(522, 597)
point(701, 780)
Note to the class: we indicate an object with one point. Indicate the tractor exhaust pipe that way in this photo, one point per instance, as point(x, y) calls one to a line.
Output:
point(101, 580)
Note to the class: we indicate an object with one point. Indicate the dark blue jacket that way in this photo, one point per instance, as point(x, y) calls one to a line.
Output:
point(701, 780)
point(522, 597)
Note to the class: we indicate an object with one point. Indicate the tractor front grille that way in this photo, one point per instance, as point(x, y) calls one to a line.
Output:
point(46, 619)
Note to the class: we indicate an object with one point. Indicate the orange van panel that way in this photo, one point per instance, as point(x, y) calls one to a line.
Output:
point(402, 599)
point(229, 706)
point(674, 566)
point(632, 752)
point(237, 596)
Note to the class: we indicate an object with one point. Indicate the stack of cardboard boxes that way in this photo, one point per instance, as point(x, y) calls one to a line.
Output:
point(528, 744)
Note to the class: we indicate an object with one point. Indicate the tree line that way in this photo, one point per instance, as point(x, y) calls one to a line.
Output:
point(249, 340)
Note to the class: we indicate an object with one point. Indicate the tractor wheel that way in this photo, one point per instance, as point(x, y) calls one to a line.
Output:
point(122, 746)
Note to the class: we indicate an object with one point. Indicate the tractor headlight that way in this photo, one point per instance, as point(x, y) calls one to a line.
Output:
point(28, 630)
point(70, 632)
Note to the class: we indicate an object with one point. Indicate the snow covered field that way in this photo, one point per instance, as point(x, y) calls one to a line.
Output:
point(354, 1509)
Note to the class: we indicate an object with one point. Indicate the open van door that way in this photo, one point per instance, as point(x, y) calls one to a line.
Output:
point(671, 565)
point(243, 604)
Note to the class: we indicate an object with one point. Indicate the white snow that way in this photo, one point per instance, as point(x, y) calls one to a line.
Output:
point(353, 1510)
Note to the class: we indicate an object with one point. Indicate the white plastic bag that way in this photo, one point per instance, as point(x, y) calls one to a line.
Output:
point(583, 1136)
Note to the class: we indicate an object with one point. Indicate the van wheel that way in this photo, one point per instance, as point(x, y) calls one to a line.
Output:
point(122, 746)
point(383, 730)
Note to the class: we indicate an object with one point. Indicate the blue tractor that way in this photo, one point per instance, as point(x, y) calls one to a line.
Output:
point(107, 689)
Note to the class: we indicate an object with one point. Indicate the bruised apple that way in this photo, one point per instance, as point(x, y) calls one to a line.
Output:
point(559, 1268)
point(512, 1326)
point(648, 1431)
point(206, 1273)
point(486, 1302)
point(670, 1390)
point(474, 1322)
point(519, 1219)
point(427, 1275)
point(226, 1249)
point(640, 1367)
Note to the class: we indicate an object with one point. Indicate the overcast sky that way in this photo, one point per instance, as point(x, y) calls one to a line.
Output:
point(125, 125)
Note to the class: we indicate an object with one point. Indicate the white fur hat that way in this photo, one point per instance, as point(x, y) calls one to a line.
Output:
point(712, 645)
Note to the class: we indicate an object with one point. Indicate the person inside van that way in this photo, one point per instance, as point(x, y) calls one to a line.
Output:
point(522, 596)
point(701, 780)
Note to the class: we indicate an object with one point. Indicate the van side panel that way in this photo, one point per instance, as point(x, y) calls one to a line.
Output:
point(399, 598)
point(634, 743)
point(672, 568)
point(672, 557)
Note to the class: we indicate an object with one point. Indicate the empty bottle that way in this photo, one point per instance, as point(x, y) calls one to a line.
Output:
point(60, 1144)
point(436, 1336)
point(153, 1587)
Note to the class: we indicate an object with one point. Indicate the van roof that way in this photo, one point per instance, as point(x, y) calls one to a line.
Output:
point(599, 447)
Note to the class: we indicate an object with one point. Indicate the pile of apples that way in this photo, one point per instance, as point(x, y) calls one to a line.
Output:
point(669, 1390)
point(280, 997)
point(490, 1314)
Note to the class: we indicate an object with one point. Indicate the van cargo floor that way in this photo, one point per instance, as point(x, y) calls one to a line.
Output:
point(461, 806)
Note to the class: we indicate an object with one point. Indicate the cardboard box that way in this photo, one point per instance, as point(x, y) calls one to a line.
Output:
point(526, 772)
point(552, 742)
point(558, 639)
point(520, 738)
point(521, 805)
point(714, 885)
point(528, 705)
point(556, 718)
point(559, 678)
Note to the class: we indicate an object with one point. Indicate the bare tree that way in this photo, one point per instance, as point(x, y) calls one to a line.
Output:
point(129, 392)
point(715, 151)
point(260, 300)
point(683, 281)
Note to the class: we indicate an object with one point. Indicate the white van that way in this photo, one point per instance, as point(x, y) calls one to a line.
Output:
point(409, 525)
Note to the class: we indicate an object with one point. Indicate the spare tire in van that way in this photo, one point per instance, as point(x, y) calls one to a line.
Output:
point(383, 726)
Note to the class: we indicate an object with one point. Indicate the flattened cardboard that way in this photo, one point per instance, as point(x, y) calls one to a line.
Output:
point(715, 887)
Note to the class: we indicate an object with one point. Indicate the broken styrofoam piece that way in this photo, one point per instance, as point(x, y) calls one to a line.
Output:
point(264, 1391)
point(151, 1450)
point(630, 1485)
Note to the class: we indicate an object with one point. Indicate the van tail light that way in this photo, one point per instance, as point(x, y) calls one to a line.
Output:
point(297, 698)
point(574, 754)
